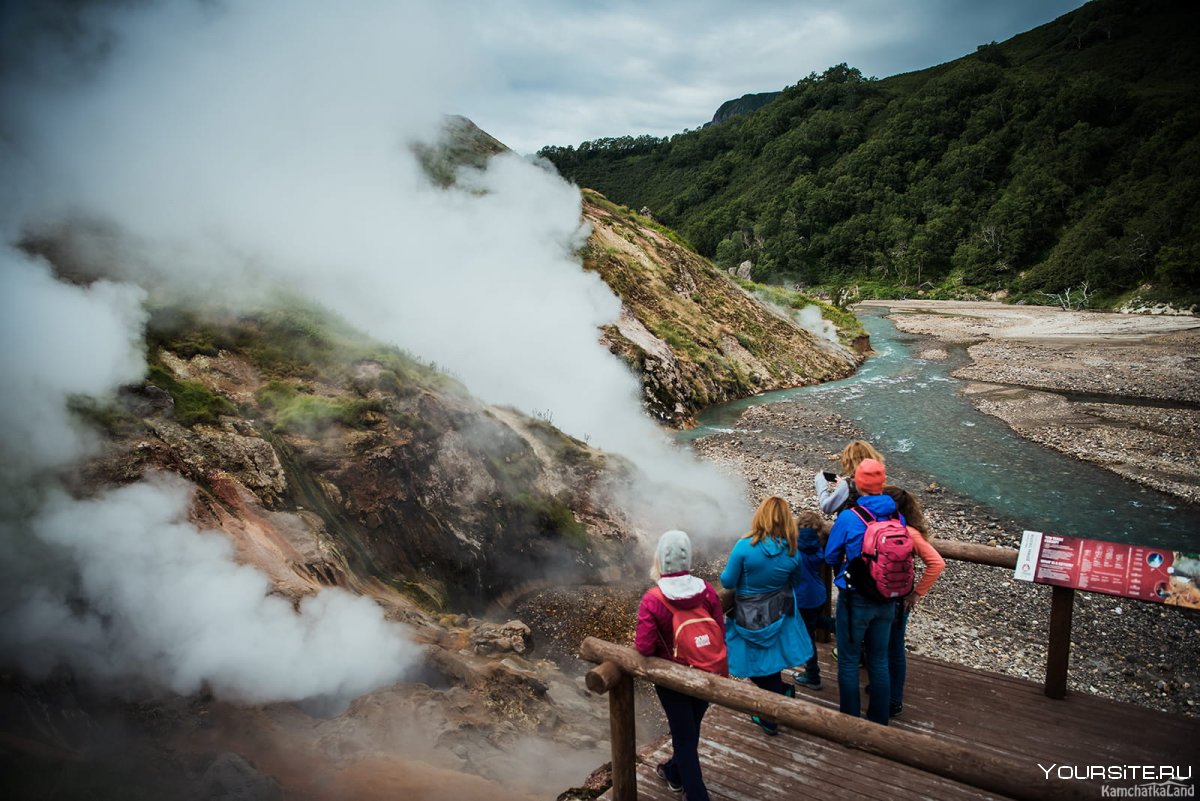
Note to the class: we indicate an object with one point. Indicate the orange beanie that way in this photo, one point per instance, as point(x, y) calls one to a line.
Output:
point(869, 477)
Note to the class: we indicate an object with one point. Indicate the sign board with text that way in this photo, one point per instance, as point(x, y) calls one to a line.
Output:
point(1132, 571)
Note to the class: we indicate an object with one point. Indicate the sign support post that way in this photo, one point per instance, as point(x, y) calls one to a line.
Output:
point(1058, 656)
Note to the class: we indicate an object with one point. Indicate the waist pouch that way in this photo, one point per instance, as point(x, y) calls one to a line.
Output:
point(754, 612)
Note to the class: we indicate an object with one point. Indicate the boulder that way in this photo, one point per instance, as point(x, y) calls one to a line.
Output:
point(511, 637)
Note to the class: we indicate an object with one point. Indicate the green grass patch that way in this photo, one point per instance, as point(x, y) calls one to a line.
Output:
point(847, 323)
point(107, 416)
point(194, 402)
point(624, 212)
point(292, 410)
point(553, 516)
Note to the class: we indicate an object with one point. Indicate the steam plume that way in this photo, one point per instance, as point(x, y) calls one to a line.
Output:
point(225, 148)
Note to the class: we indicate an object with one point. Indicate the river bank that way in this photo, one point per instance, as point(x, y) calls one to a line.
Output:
point(1120, 391)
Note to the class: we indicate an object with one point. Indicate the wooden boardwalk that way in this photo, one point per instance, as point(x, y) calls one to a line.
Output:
point(986, 711)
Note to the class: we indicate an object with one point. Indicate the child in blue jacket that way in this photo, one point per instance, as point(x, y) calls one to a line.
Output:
point(811, 593)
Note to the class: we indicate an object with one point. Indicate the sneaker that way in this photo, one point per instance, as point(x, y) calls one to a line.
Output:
point(802, 679)
point(661, 772)
point(895, 709)
point(770, 728)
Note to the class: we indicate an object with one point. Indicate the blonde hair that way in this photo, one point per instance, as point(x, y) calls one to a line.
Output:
point(774, 520)
point(855, 452)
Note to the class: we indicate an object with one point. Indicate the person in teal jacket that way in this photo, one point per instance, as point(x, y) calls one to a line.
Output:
point(765, 634)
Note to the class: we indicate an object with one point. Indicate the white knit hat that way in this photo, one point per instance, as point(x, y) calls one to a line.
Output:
point(674, 554)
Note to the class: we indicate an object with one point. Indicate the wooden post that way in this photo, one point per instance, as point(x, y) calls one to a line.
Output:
point(997, 774)
point(1058, 654)
point(622, 728)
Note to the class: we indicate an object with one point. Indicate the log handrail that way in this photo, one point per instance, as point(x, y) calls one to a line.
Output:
point(979, 554)
point(993, 773)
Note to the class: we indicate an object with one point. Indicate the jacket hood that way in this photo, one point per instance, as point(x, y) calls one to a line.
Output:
point(808, 541)
point(685, 591)
point(772, 547)
point(878, 505)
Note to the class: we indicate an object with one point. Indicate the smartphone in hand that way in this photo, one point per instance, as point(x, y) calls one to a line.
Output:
point(829, 476)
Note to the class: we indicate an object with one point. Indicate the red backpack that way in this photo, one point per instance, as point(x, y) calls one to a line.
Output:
point(884, 571)
point(698, 639)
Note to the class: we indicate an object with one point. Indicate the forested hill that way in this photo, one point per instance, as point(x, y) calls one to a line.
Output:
point(1066, 156)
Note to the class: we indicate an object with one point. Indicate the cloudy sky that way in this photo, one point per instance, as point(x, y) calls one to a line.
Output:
point(562, 72)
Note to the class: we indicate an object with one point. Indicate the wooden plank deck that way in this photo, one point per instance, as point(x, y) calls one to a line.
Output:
point(988, 711)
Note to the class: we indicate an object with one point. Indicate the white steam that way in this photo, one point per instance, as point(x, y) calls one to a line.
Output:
point(810, 318)
point(230, 147)
point(169, 599)
point(58, 341)
point(120, 585)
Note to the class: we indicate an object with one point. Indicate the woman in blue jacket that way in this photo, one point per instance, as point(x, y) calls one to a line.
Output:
point(765, 635)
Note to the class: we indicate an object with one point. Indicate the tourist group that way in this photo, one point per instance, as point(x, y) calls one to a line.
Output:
point(761, 626)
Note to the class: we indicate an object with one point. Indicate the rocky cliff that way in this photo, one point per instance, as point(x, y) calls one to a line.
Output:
point(692, 334)
point(743, 105)
point(332, 460)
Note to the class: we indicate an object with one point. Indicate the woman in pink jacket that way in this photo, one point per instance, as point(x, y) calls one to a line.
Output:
point(914, 516)
point(677, 600)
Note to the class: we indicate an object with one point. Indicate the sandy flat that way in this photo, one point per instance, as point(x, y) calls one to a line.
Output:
point(965, 321)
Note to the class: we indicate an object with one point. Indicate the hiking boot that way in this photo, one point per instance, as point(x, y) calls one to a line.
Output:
point(802, 679)
point(661, 772)
point(770, 728)
point(895, 709)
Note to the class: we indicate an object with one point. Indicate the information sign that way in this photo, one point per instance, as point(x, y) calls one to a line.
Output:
point(1132, 571)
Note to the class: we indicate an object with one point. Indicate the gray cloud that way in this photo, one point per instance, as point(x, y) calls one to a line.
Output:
point(565, 72)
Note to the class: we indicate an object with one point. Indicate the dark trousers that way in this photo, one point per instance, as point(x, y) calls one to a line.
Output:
point(773, 683)
point(811, 618)
point(897, 658)
point(684, 714)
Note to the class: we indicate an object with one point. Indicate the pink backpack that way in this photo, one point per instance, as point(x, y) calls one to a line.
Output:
point(698, 639)
point(885, 569)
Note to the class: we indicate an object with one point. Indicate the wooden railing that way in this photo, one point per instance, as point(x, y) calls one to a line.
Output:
point(618, 665)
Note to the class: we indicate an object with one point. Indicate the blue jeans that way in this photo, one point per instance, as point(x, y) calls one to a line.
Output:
point(897, 662)
point(864, 627)
point(684, 714)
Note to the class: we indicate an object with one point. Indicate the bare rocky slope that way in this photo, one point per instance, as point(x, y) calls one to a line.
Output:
point(691, 333)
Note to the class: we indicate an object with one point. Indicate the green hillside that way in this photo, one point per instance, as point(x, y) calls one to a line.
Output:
point(1066, 156)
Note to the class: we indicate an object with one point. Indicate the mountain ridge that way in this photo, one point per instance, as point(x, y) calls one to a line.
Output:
point(1064, 157)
